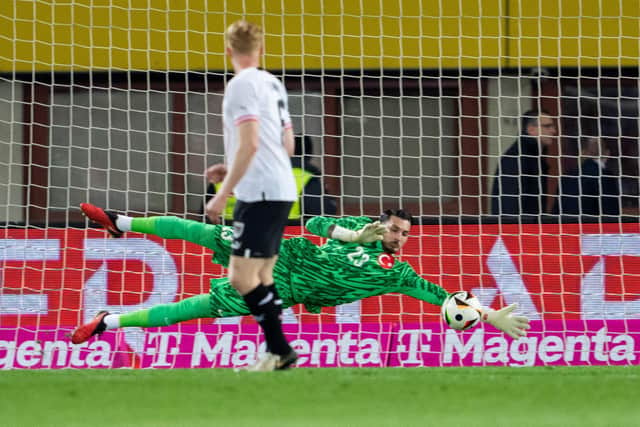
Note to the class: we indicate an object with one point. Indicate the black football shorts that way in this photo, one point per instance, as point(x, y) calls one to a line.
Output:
point(258, 228)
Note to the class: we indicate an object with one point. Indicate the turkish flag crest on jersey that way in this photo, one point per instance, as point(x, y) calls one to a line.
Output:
point(385, 260)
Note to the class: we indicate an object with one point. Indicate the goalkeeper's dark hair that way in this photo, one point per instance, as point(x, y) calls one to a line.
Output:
point(400, 213)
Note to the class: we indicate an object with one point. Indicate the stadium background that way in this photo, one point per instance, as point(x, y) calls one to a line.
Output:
point(410, 103)
point(465, 72)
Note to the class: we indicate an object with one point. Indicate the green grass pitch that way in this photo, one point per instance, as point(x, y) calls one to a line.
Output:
point(564, 396)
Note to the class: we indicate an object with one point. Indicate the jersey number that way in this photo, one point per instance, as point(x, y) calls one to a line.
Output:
point(281, 107)
point(226, 234)
point(358, 257)
point(281, 111)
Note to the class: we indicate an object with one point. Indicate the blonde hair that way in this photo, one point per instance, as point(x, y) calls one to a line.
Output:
point(244, 37)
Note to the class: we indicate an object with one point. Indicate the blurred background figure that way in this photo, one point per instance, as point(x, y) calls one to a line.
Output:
point(312, 200)
point(592, 189)
point(521, 177)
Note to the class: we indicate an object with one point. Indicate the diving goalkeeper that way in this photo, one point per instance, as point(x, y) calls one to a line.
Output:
point(356, 262)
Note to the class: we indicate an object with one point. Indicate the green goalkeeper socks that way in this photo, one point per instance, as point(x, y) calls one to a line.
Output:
point(196, 307)
point(170, 227)
point(144, 225)
point(135, 318)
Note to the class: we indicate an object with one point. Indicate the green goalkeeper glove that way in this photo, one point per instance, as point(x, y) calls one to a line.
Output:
point(503, 320)
point(367, 234)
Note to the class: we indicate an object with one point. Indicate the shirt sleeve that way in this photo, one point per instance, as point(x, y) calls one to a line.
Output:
point(417, 287)
point(319, 225)
point(243, 102)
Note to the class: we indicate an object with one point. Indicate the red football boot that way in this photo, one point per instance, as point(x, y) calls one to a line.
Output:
point(89, 329)
point(106, 219)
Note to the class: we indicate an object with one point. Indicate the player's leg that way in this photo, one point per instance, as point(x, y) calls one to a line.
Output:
point(266, 272)
point(195, 307)
point(281, 361)
point(222, 301)
point(266, 307)
point(266, 277)
point(171, 227)
point(258, 228)
point(210, 236)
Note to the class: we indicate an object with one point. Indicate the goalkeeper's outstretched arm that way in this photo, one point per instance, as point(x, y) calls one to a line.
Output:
point(504, 320)
point(347, 229)
point(417, 287)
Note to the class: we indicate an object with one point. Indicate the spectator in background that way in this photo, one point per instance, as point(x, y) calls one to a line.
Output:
point(591, 189)
point(521, 177)
point(312, 200)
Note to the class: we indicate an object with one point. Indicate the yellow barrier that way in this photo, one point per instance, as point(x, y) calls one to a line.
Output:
point(82, 35)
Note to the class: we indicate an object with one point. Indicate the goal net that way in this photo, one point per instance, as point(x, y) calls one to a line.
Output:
point(425, 106)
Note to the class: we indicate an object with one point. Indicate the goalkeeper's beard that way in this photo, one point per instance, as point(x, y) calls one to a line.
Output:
point(393, 246)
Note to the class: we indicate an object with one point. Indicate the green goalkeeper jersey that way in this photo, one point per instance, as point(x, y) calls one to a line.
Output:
point(339, 272)
point(316, 276)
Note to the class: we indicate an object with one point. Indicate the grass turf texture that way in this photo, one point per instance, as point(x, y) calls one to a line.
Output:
point(563, 396)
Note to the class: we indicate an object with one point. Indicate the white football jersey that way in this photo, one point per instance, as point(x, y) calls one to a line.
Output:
point(255, 94)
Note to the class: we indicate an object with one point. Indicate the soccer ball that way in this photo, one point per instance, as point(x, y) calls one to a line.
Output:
point(461, 311)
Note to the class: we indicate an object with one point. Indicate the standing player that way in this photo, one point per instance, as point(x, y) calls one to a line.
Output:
point(358, 261)
point(258, 139)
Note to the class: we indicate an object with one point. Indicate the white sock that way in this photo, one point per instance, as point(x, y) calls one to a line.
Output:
point(112, 321)
point(123, 223)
